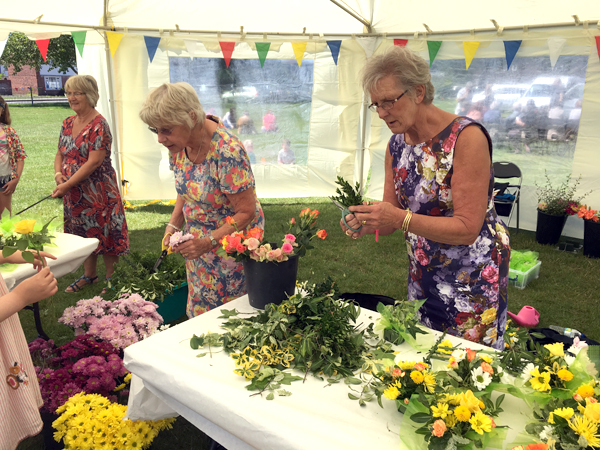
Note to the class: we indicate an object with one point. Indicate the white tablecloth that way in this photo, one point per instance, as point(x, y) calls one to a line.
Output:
point(71, 252)
point(169, 380)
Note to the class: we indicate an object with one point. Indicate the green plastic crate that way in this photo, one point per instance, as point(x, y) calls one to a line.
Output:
point(520, 279)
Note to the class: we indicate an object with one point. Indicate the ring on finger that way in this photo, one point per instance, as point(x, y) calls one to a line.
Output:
point(347, 232)
point(364, 222)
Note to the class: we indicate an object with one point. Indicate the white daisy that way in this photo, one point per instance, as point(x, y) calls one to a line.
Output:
point(480, 378)
point(526, 375)
point(459, 355)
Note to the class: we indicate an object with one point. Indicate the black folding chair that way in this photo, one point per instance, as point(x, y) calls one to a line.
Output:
point(509, 194)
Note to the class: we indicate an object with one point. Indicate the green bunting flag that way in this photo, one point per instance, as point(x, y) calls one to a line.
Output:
point(79, 39)
point(434, 48)
point(262, 48)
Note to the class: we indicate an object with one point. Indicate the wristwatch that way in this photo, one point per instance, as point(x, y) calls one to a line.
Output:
point(213, 241)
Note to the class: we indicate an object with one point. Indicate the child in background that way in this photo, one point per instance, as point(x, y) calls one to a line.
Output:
point(12, 158)
point(20, 397)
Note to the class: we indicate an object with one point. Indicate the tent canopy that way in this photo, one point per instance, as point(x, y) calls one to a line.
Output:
point(337, 134)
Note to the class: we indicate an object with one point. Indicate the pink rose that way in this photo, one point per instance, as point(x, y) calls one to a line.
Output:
point(287, 248)
point(490, 274)
point(289, 238)
point(421, 257)
point(252, 243)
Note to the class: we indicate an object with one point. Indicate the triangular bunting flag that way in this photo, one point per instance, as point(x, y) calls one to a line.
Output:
point(2, 45)
point(470, 47)
point(368, 44)
point(434, 48)
point(151, 45)
point(597, 46)
point(190, 46)
point(227, 49)
point(43, 46)
point(262, 48)
point(555, 46)
point(79, 39)
point(114, 39)
point(299, 48)
point(334, 46)
point(400, 42)
point(510, 49)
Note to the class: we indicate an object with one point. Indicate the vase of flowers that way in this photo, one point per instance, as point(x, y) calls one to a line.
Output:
point(554, 205)
point(271, 269)
point(591, 231)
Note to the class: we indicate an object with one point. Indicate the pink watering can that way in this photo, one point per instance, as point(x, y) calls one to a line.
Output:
point(527, 317)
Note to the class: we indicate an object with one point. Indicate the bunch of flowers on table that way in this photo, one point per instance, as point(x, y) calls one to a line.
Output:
point(475, 370)
point(93, 421)
point(121, 322)
point(250, 245)
point(81, 365)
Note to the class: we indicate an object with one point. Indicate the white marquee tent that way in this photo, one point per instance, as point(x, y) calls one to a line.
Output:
point(342, 137)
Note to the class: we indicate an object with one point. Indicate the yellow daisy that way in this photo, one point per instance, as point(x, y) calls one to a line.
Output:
point(480, 423)
point(540, 381)
point(441, 410)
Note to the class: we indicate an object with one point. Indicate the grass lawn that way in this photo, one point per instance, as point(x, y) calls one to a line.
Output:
point(565, 292)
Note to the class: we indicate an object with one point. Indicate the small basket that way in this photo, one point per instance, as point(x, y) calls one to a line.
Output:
point(520, 279)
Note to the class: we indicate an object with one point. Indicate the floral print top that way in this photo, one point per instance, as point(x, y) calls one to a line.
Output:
point(11, 142)
point(465, 285)
point(214, 280)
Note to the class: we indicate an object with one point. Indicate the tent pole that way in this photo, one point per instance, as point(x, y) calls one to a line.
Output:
point(113, 109)
point(354, 14)
point(363, 139)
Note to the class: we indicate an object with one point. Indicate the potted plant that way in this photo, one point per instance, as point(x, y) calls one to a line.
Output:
point(271, 270)
point(167, 286)
point(554, 205)
point(591, 231)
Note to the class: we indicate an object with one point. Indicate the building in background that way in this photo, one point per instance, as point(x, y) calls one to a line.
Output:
point(45, 82)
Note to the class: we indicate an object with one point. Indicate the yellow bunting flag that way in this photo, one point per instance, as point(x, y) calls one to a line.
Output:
point(470, 47)
point(299, 48)
point(114, 39)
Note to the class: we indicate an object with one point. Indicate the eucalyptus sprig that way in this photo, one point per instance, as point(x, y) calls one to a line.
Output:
point(347, 195)
point(25, 239)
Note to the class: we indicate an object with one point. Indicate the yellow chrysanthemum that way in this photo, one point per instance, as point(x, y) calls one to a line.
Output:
point(416, 376)
point(450, 420)
point(429, 381)
point(565, 413)
point(585, 390)
point(406, 365)
point(462, 413)
point(480, 423)
point(453, 399)
point(442, 348)
point(586, 428)
point(488, 316)
point(441, 410)
point(564, 375)
point(556, 349)
point(391, 392)
point(540, 381)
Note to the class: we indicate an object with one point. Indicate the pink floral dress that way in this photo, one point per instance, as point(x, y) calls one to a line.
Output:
point(214, 280)
point(465, 285)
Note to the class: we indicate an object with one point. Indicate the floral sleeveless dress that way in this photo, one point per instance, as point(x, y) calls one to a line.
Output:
point(93, 208)
point(465, 285)
point(214, 280)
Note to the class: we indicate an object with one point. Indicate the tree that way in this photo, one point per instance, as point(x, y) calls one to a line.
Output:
point(21, 51)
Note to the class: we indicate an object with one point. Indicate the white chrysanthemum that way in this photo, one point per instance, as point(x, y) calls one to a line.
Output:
point(546, 433)
point(459, 355)
point(569, 359)
point(526, 375)
point(480, 378)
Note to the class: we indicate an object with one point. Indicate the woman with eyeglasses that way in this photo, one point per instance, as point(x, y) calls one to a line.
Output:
point(12, 158)
point(214, 181)
point(87, 182)
point(439, 191)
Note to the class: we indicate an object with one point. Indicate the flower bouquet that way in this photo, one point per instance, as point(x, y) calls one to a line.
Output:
point(26, 235)
point(93, 421)
point(81, 365)
point(250, 245)
point(121, 323)
point(586, 213)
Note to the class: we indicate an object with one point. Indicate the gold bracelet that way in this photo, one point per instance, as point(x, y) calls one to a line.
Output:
point(57, 173)
point(173, 226)
point(407, 219)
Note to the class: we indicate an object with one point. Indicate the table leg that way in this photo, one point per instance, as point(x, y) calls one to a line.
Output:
point(38, 321)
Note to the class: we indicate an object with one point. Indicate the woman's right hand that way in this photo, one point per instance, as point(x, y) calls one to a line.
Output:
point(59, 178)
point(38, 287)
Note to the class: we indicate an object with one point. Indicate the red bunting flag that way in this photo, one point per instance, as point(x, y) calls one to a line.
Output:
point(400, 42)
point(43, 47)
point(227, 49)
point(598, 45)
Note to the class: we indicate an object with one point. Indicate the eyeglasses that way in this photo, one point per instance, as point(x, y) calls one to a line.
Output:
point(386, 106)
point(74, 94)
point(163, 131)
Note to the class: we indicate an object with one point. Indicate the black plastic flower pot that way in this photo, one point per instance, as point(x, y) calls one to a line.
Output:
point(549, 228)
point(591, 239)
point(270, 282)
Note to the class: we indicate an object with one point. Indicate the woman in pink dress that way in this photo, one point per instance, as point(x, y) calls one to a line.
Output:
point(87, 182)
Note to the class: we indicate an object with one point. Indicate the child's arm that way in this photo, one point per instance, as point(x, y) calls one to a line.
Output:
point(32, 290)
point(17, 258)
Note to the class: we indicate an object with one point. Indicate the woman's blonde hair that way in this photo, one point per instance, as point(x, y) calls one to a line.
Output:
point(4, 112)
point(172, 104)
point(86, 84)
point(406, 67)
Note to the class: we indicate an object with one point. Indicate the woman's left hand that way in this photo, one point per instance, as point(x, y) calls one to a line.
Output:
point(10, 187)
point(39, 261)
point(374, 215)
point(194, 248)
point(61, 190)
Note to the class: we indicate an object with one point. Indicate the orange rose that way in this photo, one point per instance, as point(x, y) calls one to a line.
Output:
point(487, 368)
point(439, 428)
point(471, 354)
point(230, 221)
point(321, 234)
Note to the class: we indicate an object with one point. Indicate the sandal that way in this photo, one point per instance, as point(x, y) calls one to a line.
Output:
point(76, 287)
point(105, 288)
